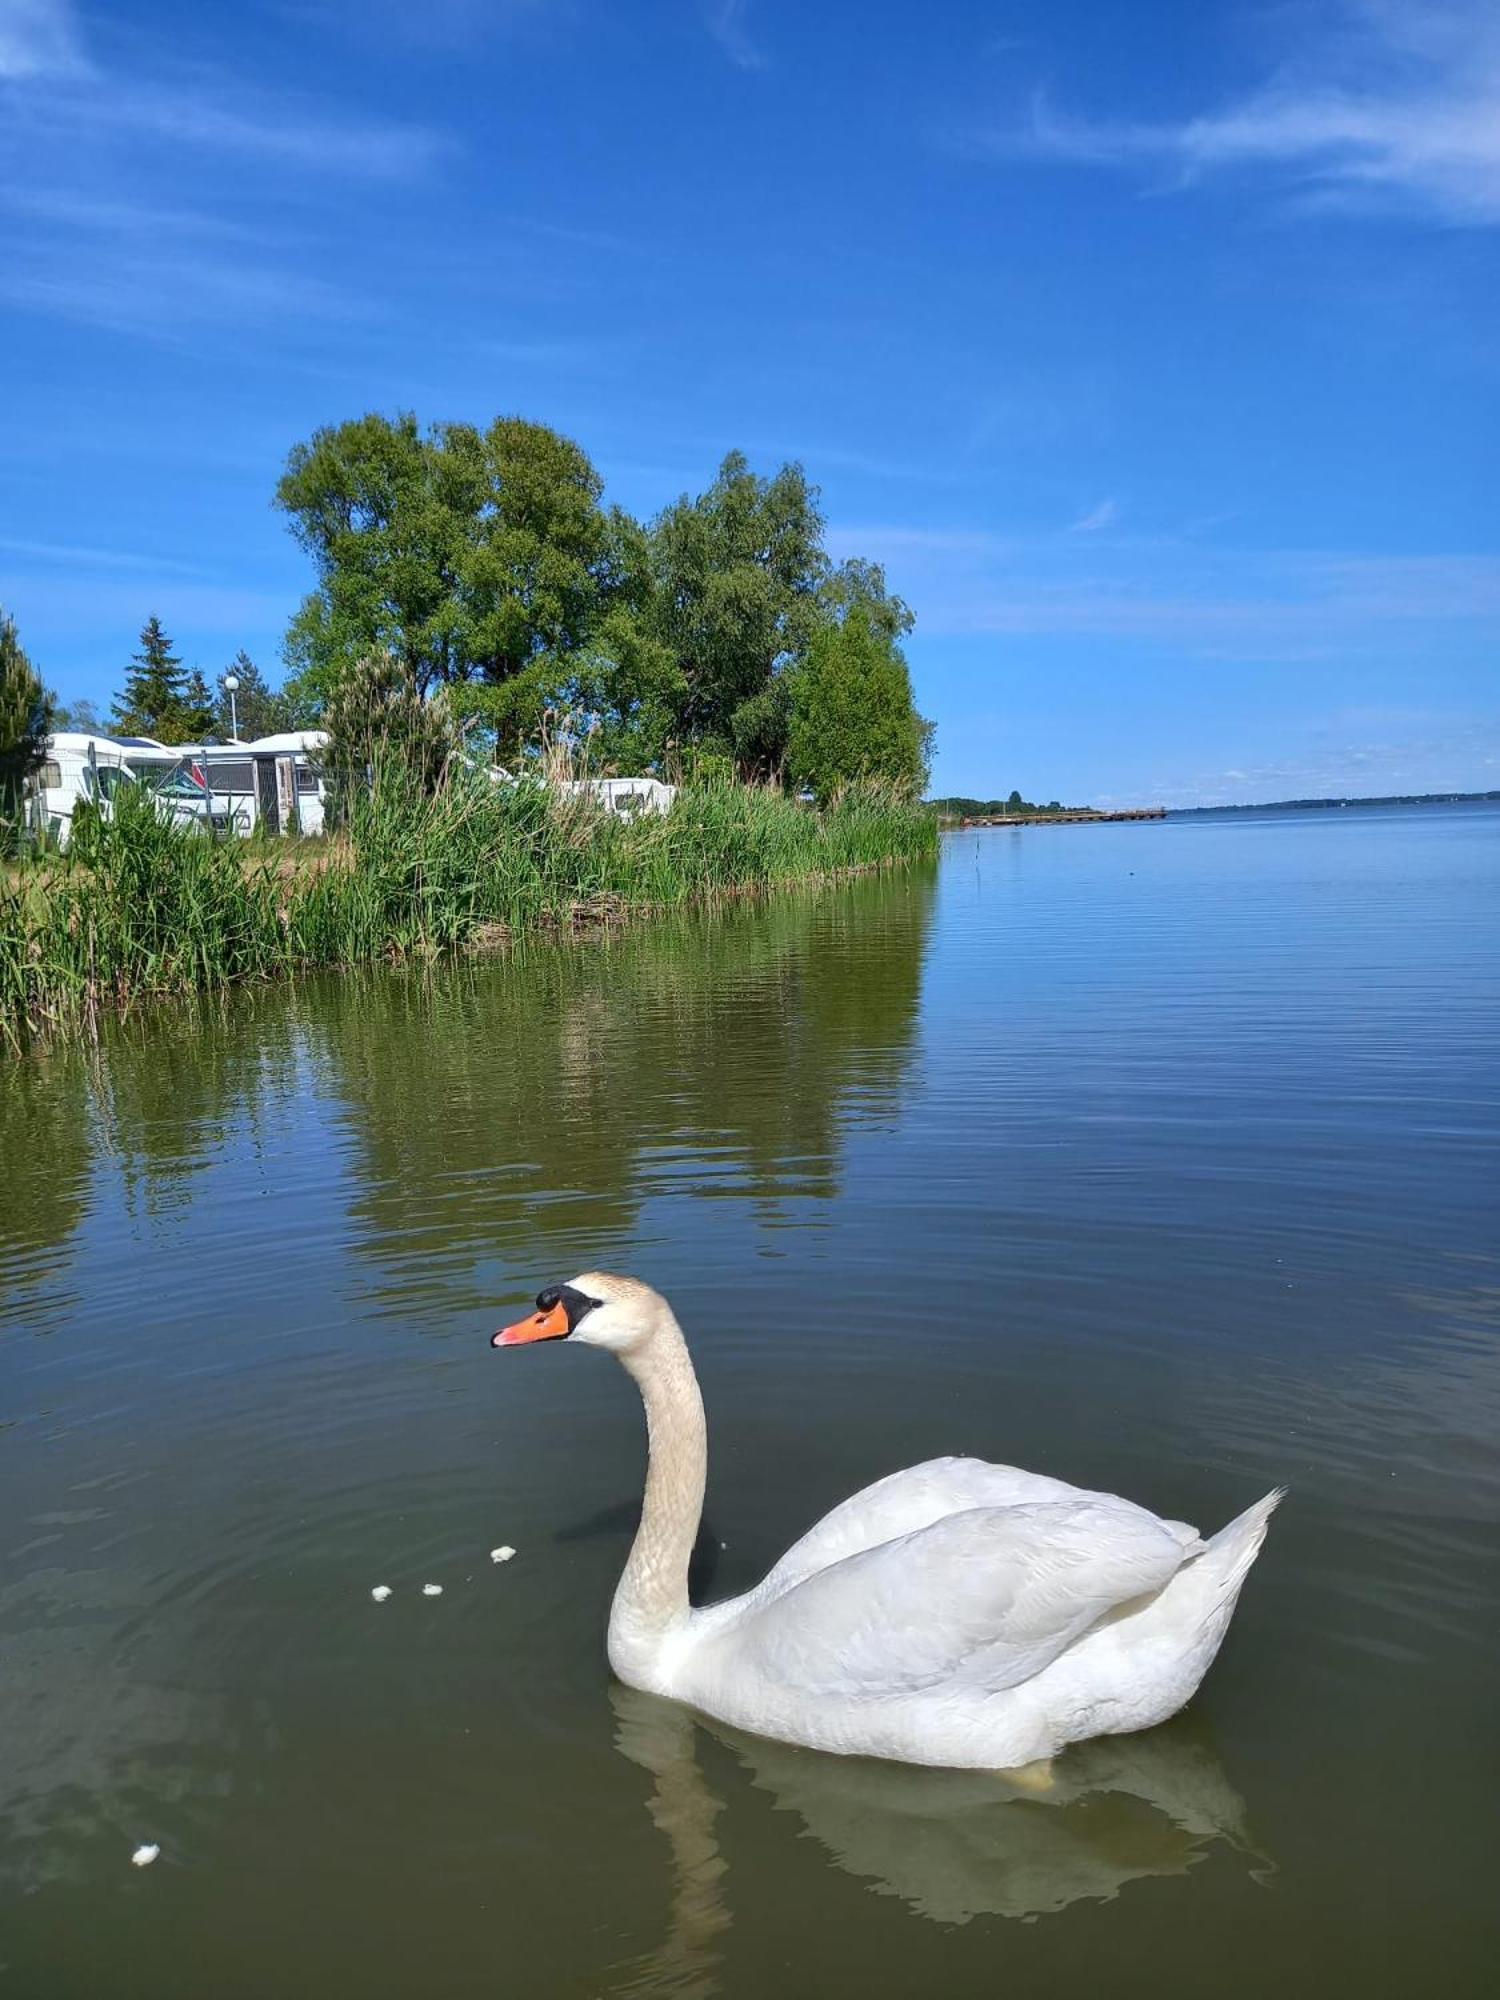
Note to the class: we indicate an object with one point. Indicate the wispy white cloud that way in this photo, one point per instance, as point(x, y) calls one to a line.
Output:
point(53, 96)
point(1383, 104)
point(726, 21)
point(98, 230)
point(1103, 516)
point(204, 114)
point(39, 38)
point(1212, 604)
point(75, 556)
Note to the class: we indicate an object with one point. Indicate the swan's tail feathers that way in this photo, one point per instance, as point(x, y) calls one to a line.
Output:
point(1234, 1548)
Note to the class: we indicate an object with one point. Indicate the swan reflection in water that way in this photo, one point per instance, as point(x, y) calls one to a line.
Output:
point(950, 1844)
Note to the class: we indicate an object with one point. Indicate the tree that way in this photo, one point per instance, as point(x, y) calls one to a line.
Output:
point(461, 553)
point(735, 580)
point(852, 714)
point(627, 688)
point(25, 724)
point(857, 585)
point(198, 720)
point(155, 701)
point(258, 709)
point(377, 720)
point(79, 715)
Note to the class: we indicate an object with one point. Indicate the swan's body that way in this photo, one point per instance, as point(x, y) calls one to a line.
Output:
point(956, 1613)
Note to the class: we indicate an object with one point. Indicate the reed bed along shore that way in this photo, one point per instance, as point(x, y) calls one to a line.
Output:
point(138, 908)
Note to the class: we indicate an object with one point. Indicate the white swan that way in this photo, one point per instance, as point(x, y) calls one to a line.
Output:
point(957, 1613)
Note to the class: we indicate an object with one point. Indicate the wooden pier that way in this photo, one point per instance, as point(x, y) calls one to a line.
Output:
point(1063, 818)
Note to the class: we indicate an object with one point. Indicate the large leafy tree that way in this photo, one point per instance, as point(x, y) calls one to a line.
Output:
point(483, 561)
point(858, 585)
point(25, 723)
point(736, 576)
point(852, 713)
point(461, 553)
point(160, 698)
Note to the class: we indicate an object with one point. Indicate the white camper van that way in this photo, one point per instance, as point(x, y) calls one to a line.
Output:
point(626, 797)
point(84, 765)
point(276, 782)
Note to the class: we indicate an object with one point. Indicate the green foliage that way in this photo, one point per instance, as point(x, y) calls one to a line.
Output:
point(79, 715)
point(258, 708)
point(25, 723)
point(852, 715)
point(962, 808)
point(485, 562)
point(137, 907)
point(463, 553)
point(378, 720)
point(160, 699)
point(199, 719)
point(735, 581)
point(857, 585)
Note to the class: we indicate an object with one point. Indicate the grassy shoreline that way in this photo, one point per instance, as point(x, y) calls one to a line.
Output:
point(136, 909)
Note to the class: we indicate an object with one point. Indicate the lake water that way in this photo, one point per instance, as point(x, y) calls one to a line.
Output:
point(1164, 1158)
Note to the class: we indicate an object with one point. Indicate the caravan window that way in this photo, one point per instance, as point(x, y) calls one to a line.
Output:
point(51, 775)
point(307, 778)
point(233, 775)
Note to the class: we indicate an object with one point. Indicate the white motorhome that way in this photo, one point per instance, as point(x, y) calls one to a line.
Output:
point(276, 782)
point(626, 797)
point(86, 765)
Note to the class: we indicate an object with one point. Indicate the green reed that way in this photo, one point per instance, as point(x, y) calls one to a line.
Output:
point(138, 907)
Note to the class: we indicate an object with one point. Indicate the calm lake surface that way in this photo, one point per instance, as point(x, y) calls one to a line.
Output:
point(1163, 1158)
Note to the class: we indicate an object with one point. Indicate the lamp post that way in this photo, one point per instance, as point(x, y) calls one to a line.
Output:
point(231, 688)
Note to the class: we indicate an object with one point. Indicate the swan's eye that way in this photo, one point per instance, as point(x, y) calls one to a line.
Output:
point(573, 1302)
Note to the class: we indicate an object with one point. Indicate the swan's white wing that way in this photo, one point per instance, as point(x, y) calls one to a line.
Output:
point(905, 1501)
point(989, 1596)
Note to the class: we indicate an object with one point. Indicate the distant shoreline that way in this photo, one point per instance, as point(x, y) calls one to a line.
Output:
point(1307, 805)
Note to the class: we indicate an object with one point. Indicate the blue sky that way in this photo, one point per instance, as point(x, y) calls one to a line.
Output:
point(1150, 347)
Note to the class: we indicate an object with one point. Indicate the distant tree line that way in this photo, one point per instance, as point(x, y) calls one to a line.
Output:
point(959, 808)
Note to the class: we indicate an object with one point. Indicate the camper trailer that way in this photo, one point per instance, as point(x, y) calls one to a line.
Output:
point(275, 783)
point(625, 797)
point(85, 766)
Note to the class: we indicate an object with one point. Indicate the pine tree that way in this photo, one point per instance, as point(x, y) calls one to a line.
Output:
point(198, 720)
point(258, 708)
point(25, 724)
point(155, 699)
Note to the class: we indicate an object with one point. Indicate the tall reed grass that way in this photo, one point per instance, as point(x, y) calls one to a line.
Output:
point(138, 907)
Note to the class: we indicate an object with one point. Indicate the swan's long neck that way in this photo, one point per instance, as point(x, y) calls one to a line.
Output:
point(651, 1602)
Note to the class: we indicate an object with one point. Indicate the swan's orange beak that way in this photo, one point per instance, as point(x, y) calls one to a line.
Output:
point(551, 1325)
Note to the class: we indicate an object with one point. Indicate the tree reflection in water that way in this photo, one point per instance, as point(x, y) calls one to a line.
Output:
point(511, 1108)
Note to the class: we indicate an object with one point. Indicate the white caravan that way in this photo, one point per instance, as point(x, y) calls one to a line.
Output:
point(86, 765)
point(626, 797)
point(276, 782)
